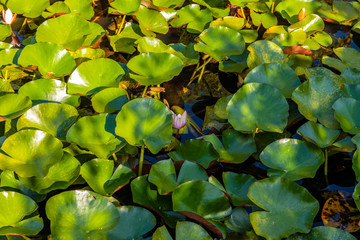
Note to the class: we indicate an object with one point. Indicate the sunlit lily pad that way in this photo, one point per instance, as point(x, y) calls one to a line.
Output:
point(292, 158)
point(154, 68)
point(82, 8)
point(17, 214)
point(57, 7)
point(125, 41)
point(195, 18)
point(126, 6)
point(309, 24)
point(28, 8)
point(264, 51)
point(318, 134)
point(68, 31)
point(151, 21)
point(145, 121)
point(346, 112)
point(278, 75)
point(219, 42)
point(92, 76)
point(289, 208)
point(51, 59)
point(19, 104)
point(290, 9)
point(48, 90)
point(217, 7)
point(230, 21)
point(349, 56)
point(323, 233)
point(80, 214)
point(202, 198)
point(163, 175)
point(315, 98)
point(96, 133)
point(53, 118)
point(109, 100)
point(30, 153)
point(5, 31)
point(5, 87)
point(254, 100)
point(339, 11)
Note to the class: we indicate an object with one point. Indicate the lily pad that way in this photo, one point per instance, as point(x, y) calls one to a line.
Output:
point(53, 118)
point(126, 6)
point(239, 220)
point(346, 112)
point(196, 150)
point(219, 42)
point(5, 31)
point(154, 68)
point(82, 8)
point(18, 215)
point(323, 233)
point(289, 208)
point(290, 9)
point(90, 214)
point(93, 76)
point(315, 98)
point(96, 133)
point(309, 24)
point(19, 104)
point(217, 7)
point(349, 56)
point(57, 7)
point(28, 8)
point(68, 31)
point(278, 75)
point(48, 90)
point(30, 153)
point(237, 186)
point(191, 171)
point(145, 121)
point(125, 41)
point(163, 175)
point(202, 198)
point(264, 51)
point(292, 158)
point(190, 231)
point(339, 11)
point(109, 100)
point(254, 100)
point(151, 21)
point(52, 60)
point(318, 134)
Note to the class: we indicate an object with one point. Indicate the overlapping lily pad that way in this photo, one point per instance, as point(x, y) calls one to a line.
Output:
point(126, 6)
point(264, 51)
point(109, 100)
point(151, 21)
point(19, 104)
point(346, 112)
point(28, 8)
point(195, 18)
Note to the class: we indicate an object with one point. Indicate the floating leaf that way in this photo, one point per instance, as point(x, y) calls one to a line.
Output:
point(191, 171)
point(237, 186)
point(254, 100)
point(81, 8)
point(339, 11)
point(318, 134)
point(290, 9)
point(56, 7)
point(217, 7)
point(230, 21)
point(126, 6)
point(195, 18)
point(309, 24)
point(5, 31)
point(323, 233)
point(264, 51)
point(151, 21)
point(163, 175)
point(346, 112)
point(289, 208)
point(239, 221)
point(109, 100)
point(125, 41)
point(28, 8)
point(19, 104)
point(162, 233)
point(292, 158)
point(349, 56)
point(190, 230)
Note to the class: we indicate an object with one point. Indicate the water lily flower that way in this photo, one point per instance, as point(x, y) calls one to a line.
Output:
point(180, 120)
point(8, 16)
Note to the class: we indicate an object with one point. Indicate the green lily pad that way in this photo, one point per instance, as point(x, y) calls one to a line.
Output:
point(96, 133)
point(109, 100)
point(349, 56)
point(30, 153)
point(28, 8)
point(235, 63)
point(190, 231)
point(152, 44)
point(8, 56)
point(230, 21)
point(339, 11)
point(217, 7)
point(86, 54)
point(48, 90)
point(162, 233)
point(318, 134)
point(167, 3)
point(125, 41)
point(254, 100)
point(15, 207)
point(126, 6)
point(323, 233)
point(151, 21)
point(289, 208)
point(19, 104)
point(334, 63)
point(323, 38)
point(186, 53)
point(278, 75)
point(145, 121)
point(68, 31)
point(154, 68)
point(236, 147)
point(351, 75)
point(5, 87)
point(80, 215)
point(220, 107)
point(202, 198)
point(52, 60)
point(5, 31)
point(315, 98)
point(219, 42)
point(310, 24)
point(290, 9)
point(81, 8)
point(195, 18)
point(163, 176)
point(346, 112)
point(60, 176)
point(53, 118)
point(96, 32)
point(249, 35)
point(134, 222)
point(322, 72)
point(191, 171)
point(239, 221)
point(237, 186)
point(196, 150)
point(93, 76)
point(57, 7)
point(292, 158)
point(267, 19)
point(264, 51)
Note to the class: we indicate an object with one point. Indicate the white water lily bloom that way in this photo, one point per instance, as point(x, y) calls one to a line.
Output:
point(180, 120)
point(8, 16)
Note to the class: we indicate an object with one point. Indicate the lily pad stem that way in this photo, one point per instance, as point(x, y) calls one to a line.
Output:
point(203, 69)
point(23, 25)
point(141, 159)
point(242, 12)
point(144, 92)
point(121, 25)
point(6, 75)
point(272, 6)
point(114, 156)
point(326, 167)
point(254, 132)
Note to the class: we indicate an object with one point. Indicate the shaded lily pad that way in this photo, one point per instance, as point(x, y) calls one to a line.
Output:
point(19, 104)
point(318, 134)
point(109, 100)
point(315, 98)
point(90, 214)
point(190, 230)
point(196, 150)
point(53, 118)
point(237, 186)
point(154, 68)
point(278, 75)
point(191, 171)
point(125, 41)
point(323, 233)
point(219, 42)
point(202, 198)
point(126, 6)
point(92, 76)
point(48, 90)
point(18, 214)
point(292, 158)
point(289, 208)
point(339, 11)
point(151, 21)
point(349, 56)
point(145, 121)
point(52, 60)
point(96, 133)
point(254, 100)
point(163, 175)
point(346, 112)
point(28, 8)
point(239, 221)
point(264, 51)
point(68, 31)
